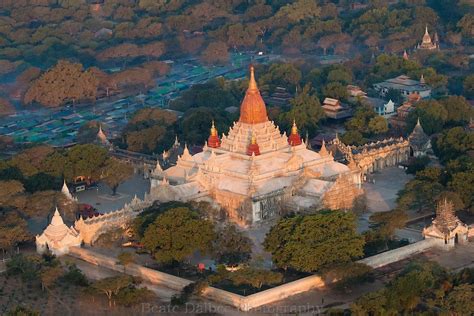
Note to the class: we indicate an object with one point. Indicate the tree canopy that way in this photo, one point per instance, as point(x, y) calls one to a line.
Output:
point(177, 234)
point(312, 242)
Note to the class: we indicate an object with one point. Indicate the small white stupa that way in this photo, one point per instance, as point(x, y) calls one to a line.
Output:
point(101, 138)
point(57, 237)
point(65, 191)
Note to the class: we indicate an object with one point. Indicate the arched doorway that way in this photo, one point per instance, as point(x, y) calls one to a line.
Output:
point(456, 239)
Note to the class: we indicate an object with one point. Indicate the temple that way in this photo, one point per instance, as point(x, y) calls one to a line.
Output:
point(420, 143)
point(427, 43)
point(447, 227)
point(255, 172)
point(57, 237)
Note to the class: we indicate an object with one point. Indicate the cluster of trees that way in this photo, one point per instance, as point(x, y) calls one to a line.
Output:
point(313, 242)
point(131, 32)
point(30, 184)
point(423, 287)
point(68, 82)
point(50, 274)
point(43, 167)
point(188, 230)
point(172, 232)
point(436, 115)
point(364, 124)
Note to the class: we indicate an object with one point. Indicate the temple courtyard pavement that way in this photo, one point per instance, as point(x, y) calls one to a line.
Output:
point(102, 199)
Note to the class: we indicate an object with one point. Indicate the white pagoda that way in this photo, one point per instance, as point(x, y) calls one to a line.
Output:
point(57, 237)
point(255, 172)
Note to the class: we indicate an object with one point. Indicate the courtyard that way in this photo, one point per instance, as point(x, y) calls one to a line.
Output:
point(102, 199)
point(382, 188)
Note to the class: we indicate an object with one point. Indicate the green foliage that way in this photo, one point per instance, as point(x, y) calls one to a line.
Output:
point(111, 286)
point(194, 288)
point(149, 130)
point(418, 164)
point(312, 242)
point(231, 246)
point(281, 75)
point(353, 138)
point(13, 230)
point(350, 274)
point(149, 215)
point(364, 123)
point(116, 172)
point(75, 277)
point(255, 277)
point(432, 116)
point(132, 296)
point(22, 311)
point(421, 192)
point(458, 109)
point(177, 234)
point(403, 294)
point(196, 124)
point(453, 143)
point(305, 110)
point(25, 267)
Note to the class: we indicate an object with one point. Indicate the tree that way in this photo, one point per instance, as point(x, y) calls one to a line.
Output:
point(125, 258)
point(468, 86)
point(111, 286)
point(309, 243)
point(305, 110)
point(85, 160)
point(335, 90)
point(22, 311)
point(458, 109)
point(88, 132)
point(195, 124)
point(177, 234)
point(378, 125)
point(421, 192)
point(65, 82)
point(13, 230)
point(49, 275)
point(299, 10)
point(432, 116)
point(353, 138)
point(463, 184)
point(231, 246)
point(460, 300)
point(385, 223)
point(453, 143)
point(394, 95)
point(256, 277)
point(6, 108)
point(116, 172)
point(215, 53)
point(284, 75)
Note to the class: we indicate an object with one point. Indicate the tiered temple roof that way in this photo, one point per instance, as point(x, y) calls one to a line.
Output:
point(254, 160)
point(418, 137)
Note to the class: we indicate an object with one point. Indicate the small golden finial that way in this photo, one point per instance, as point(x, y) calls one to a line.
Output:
point(213, 129)
point(294, 128)
point(252, 82)
point(254, 139)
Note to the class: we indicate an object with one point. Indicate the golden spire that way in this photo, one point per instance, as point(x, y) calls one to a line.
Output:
point(252, 82)
point(294, 128)
point(213, 129)
point(253, 141)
